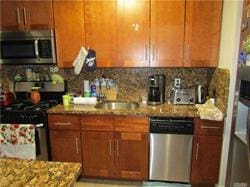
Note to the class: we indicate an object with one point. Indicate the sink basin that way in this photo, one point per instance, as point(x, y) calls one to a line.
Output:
point(117, 105)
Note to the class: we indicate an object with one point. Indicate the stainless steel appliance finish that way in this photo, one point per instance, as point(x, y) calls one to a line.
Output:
point(27, 47)
point(200, 94)
point(238, 167)
point(22, 111)
point(183, 96)
point(156, 90)
point(118, 105)
point(170, 149)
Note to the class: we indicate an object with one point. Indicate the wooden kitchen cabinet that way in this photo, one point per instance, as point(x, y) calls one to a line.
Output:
point(98, 154)
point(131, 159)
point(65, 137)
point(115, 146)
point(167, 33)
point(69, 30)
point(26, 15)
point(65, 146)
point(133, 33)
point(202, 33)
point(206, 151)
point(101, 30)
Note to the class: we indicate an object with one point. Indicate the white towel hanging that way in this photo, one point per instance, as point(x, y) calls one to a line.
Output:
point(79, 61)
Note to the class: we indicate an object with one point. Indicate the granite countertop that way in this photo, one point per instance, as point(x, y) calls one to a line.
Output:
point(17, 172)
point(168, 110)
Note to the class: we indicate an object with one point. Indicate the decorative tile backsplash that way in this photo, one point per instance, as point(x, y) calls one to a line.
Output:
point(133, 82)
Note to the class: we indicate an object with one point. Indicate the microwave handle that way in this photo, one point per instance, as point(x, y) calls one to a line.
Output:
point(36, 49)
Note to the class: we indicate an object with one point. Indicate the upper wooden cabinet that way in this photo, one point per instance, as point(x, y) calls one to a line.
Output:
point(26, 15)
point(202, 33)
point(101, 30)
point(133, 33)
point(167, 33)
point(69, 30)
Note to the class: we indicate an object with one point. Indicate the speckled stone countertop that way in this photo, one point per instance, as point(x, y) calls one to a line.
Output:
point(17, 172)
point(168, 110)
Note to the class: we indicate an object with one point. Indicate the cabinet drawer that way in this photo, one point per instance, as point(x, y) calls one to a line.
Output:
point(97, 122)
point(59, 121)
point(208, 127)
point(131, 124)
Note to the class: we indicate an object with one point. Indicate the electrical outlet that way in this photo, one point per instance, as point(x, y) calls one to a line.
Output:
point(177, 82)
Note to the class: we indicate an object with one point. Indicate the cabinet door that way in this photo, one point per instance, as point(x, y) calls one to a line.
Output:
point(11, 15)
point(65, 146)
point(206, 159)
point(69, 30)
point(98, 154)
point(202, 33)
point(131, 155)
point(133, 33)
point(167, 33)
point(100, 29)
point(38, 14)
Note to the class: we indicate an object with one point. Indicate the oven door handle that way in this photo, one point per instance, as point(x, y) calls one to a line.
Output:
point(39, 125)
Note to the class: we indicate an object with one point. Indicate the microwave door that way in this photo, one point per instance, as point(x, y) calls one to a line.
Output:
point(17, 49)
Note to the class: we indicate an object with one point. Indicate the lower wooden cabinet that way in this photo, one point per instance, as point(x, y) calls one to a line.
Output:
point(98, 154)
point(206, 152)
point(131, 159)
point(65, 146)
point(65, 137)
point(113, 150)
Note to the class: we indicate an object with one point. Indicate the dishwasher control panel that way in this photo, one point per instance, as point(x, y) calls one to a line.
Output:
point(171, 125)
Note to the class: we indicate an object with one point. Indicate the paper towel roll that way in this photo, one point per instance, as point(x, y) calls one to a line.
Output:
point(86, 86)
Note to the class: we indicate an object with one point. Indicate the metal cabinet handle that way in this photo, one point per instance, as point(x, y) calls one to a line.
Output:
point(25, 16)
point(59, 123)
point(188, 52)
point(36, 49)
point(209, 127)
point(146, 52)
point(197, 151)
point(117, 147)
point(154, 52)
point(77, 150)
point(110, 147)
point(18, 16)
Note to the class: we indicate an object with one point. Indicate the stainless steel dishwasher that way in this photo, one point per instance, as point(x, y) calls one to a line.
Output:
point(170, 149)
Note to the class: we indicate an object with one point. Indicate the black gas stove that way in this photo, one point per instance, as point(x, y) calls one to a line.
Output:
point(22, 111)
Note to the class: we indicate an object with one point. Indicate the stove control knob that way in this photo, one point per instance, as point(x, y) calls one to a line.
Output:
point(178, 99)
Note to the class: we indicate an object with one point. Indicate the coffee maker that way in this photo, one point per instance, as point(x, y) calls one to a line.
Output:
point(156, 90)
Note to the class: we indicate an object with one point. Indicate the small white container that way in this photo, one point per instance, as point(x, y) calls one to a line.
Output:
point(85, 100)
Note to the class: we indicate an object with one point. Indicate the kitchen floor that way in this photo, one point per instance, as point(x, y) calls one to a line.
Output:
point(111, 183)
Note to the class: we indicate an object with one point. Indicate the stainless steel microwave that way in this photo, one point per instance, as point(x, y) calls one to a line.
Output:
point(27, 47)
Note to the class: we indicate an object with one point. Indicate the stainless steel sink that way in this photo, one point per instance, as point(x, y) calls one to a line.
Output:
point(117, 105)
